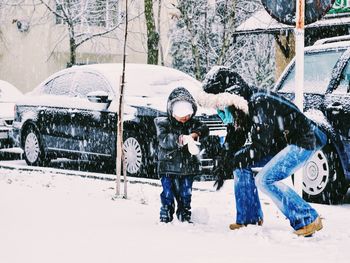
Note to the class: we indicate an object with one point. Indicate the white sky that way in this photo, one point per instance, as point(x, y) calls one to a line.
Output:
point(47, 217)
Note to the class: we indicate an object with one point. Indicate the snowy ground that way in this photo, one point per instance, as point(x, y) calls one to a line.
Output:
point(48, 217)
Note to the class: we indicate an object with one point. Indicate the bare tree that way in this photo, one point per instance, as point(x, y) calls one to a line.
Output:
point(85, 20)
point(120, 130)
point(190, 14)
point(204, 35)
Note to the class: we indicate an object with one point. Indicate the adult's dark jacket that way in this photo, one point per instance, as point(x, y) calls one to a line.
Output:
point(274, 123)
point(175, 159)
point(269, 125)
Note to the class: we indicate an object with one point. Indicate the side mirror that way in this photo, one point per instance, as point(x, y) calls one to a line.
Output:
point(98, 97)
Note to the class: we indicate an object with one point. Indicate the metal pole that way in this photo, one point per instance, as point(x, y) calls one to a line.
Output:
point(299, 75)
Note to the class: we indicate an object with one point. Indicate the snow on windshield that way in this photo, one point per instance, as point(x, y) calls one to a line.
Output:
point(317, 72)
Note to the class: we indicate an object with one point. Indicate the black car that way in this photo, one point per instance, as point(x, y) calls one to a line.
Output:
point(326, 176)
point(73, 114)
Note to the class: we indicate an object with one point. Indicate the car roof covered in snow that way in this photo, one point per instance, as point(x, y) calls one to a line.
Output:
point(145, 85)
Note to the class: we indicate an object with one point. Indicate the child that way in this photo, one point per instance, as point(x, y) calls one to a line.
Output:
point(177, 134)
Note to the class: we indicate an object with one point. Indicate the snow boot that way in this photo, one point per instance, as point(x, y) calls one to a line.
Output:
point(236, 226)
point(184, 215)
point(310, 229)
point(166, 213)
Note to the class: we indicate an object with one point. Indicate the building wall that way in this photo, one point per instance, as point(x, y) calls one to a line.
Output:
point(27, 58)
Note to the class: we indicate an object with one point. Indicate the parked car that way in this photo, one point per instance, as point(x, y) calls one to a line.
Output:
point(9, 94)
point(73, 114)
point(326, 176)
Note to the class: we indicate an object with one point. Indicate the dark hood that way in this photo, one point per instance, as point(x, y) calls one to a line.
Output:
point(222, 79)
point(180, 94)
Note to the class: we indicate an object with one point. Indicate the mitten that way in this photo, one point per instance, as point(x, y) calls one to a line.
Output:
point(193, 146)
point(222, 174)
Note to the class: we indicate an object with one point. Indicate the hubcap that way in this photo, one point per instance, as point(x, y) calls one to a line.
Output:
point(31, 148)
point(316, 174)
point(133, 155)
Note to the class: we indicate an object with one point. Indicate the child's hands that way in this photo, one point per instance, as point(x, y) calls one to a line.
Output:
point(194, 136)
point(184, 139)
point(191, 142)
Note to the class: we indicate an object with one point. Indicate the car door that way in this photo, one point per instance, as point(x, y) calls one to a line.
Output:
point(337, 106)
point(54, 116)
point(95, 120)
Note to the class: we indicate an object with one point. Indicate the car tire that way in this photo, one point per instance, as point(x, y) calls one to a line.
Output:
point(34, 153)
point(137, 157)
point(323, 178)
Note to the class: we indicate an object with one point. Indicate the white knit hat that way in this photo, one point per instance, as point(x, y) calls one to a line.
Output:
point(182, 108)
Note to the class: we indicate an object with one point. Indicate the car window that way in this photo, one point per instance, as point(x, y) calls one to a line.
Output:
point(317, 72)
point(344, 84)
point(60, 85)
point(46, 89)
point(87, 82)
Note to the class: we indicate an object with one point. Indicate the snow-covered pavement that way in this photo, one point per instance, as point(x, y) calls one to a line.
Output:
point(48, 217)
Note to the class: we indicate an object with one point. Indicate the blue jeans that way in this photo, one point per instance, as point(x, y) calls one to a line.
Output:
point(179, 188)
point(282, 165)
point(246, 194)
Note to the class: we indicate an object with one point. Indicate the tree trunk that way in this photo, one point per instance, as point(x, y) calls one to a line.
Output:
point(229, 28)
point(120, 130)
point(197, 65)
point(73, 52)
point(194, 45)
point(159, 22)
point(152, 34)
point(72, 46)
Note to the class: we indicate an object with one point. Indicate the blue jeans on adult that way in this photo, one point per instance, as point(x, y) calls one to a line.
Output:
point(246, 194)
point(268, 180)
point(179, 188)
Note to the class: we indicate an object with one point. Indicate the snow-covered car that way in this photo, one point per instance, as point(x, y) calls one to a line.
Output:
point(73, 114)
point(9, 94)
point(326, 176)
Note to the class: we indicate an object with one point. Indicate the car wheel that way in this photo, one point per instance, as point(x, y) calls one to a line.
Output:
point(137, 157)
point(134, 155)
point(323, 178)
point(33, 150)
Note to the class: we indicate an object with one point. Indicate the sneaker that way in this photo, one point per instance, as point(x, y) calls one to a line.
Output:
point(236, 226)
point(310, 229)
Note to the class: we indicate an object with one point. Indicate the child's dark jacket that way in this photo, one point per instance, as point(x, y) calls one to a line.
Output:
point(173, 158)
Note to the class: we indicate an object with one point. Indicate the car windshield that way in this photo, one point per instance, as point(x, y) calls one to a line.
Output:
point(317, 72)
